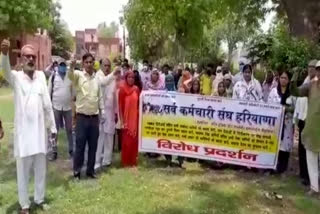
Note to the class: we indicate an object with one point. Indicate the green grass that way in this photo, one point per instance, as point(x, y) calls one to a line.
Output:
point(152, 188)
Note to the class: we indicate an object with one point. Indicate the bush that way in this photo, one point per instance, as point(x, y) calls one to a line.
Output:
point(278, 50)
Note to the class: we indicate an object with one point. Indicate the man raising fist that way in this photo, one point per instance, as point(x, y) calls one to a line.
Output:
point(33, 116)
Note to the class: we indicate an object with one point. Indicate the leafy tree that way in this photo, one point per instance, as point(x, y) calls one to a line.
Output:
point(62, 39)
point(278, 50)
point(158, 28)
point(24, 16)
point(302, 16)
point(106, 31)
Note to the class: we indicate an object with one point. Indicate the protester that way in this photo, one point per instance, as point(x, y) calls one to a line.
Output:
point(195, 87)
point(53, 67)
point(125, 68)
point(145, 74)
point(206, 80)
point(169, 81)
point(300, 115)
point(227, 79)
point(108, 84)
point(221, 91)
point(89, 103)
point(155, 82)
point(248, 88)
point(129, 114)
point(184, 84)
point(60, 89)
point(281, 94)
point(312, 73)
point(217, 79)
point(268, 84)
point(177, 75)
point(310, 135)
point(137, 80)
point(33, 116)
point(239, 76)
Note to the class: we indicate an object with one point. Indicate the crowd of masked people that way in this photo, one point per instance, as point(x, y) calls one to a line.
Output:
point(99, 101)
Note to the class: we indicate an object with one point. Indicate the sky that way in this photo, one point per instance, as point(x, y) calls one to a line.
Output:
point(81, 14)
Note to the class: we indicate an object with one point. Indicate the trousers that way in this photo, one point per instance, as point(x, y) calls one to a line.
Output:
point(63, 117)
point(105, 148)
point(87, 133)
point(313, 169)
point(37, 163)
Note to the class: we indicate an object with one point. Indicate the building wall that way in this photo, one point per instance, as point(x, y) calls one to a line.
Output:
point(42, 44)
point(88, 40)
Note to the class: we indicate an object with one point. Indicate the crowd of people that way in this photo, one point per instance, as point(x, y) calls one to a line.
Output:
point(99, 102)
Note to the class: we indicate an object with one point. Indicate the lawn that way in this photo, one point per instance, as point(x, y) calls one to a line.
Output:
point(152, 188)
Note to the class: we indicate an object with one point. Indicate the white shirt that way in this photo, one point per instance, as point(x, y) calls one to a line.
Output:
point(145, 77)
point(33, 111)
point(110, 106)
point(244, 91)
point(301, 108)
point(62, 92)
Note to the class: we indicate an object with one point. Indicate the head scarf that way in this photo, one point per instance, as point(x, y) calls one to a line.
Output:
point(185, 81)
point(157, 85)
point(129, 105)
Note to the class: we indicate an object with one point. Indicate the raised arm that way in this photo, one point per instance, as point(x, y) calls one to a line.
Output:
point(72, 74)
point(5, 63)
point(302, 91)
point(106, 80)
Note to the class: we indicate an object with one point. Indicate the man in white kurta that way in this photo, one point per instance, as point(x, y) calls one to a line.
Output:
point(33, 116)
point(107, 126)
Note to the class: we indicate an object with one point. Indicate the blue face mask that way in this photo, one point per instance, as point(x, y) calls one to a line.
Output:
point(62, 69)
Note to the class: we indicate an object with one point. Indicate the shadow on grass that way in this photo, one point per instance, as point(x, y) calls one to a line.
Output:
point(208, 200)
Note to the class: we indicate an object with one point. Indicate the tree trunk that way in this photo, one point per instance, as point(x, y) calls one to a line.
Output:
point(303, 17)
point(231, 48)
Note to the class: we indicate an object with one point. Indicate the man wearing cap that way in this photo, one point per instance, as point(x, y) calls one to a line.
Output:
point(311, 71)
point(227, 79)
point(33, 117)
point(60, 90)
point(310, 135)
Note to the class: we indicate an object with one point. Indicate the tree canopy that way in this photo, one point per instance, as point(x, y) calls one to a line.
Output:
point(108, 31)
point(178, 28)
point(25, 16)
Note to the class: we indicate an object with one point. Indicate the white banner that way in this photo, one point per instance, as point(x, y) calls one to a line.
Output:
point(212, 128)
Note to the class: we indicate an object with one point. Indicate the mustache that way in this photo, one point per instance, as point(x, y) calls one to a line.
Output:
point(31, 64)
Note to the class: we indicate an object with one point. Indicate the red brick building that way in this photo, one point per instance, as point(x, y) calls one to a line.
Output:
point(88, 41)
point(42, 44)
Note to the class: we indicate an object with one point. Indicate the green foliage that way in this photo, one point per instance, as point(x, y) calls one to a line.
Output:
point(24, 15)
point(161, 28)
point(188, 30)
point(105, 31)
point(62, 39)
point(278, 50)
